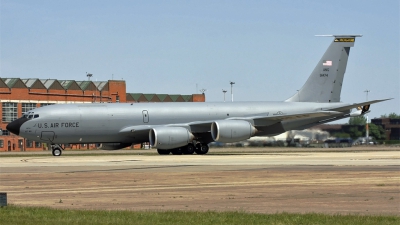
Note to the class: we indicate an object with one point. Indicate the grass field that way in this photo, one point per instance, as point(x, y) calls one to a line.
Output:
point(41, 215)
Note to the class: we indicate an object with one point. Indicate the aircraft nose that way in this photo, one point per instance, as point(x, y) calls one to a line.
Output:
point(15, 125)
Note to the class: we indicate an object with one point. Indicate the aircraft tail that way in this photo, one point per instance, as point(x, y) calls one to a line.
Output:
point(325, 82)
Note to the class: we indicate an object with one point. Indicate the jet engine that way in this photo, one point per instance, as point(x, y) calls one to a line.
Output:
point(169, 137)
point(232, 130)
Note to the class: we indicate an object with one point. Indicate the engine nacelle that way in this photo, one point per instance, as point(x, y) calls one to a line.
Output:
point(356, 113)
point(169, 137)
point(227, 131)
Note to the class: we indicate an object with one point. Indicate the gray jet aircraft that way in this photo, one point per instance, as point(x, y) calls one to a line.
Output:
point(187, 128)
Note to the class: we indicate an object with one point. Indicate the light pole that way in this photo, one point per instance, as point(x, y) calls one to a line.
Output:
point(89, 75)
point(224, 91)
point(232, 83)
point(366, 124)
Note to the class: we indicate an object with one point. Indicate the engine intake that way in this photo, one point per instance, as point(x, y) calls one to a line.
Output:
point(227, 131)
point(169, 137)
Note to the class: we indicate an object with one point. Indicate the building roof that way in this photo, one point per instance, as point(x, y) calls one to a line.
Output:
point(140, 97)
point(54, 84)
point(101, 85)
point(2, 84)
point(14, 82)
point(70, 85)
point(34, 83)
point(133, 96)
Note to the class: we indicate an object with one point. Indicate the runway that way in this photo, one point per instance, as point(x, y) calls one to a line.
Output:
point(327, 182)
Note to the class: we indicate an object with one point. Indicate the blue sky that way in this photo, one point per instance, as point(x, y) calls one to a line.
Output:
point(267, 48)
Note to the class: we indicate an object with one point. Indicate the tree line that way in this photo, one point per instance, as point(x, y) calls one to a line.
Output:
point(358, 128)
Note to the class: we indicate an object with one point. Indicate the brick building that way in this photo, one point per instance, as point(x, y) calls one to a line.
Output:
point(391, 126)
point(18, 96)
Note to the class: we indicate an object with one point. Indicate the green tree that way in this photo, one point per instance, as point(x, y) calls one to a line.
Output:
point(358, 120)
point(341, 135)
point(392, 115)
point(376, 131)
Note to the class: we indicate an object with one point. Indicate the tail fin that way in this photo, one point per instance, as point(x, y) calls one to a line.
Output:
point(325, 82)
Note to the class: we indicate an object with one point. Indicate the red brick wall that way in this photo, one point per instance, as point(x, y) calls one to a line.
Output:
point(117, 88)
point(199, 98)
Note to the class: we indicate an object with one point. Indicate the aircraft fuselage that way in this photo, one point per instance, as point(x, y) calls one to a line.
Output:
point(95, 123)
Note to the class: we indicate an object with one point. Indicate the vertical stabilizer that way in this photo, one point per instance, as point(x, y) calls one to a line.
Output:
point(325, 82)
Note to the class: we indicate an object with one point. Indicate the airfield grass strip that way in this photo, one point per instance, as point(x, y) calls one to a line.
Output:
point(41, 215)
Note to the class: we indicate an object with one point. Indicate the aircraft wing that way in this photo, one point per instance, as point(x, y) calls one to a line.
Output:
point(355, 105)
point(262, 119)
point(265, 120)
point(295, 116)
point(205, 126)
point(259, 119)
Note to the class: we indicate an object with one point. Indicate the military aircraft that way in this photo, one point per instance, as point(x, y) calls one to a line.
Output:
point(187, 128)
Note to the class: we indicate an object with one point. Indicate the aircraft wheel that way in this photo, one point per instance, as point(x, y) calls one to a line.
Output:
point(176, 151)
point(56, 151)
point(202, 149)
point(189, 149)
point(163, 151)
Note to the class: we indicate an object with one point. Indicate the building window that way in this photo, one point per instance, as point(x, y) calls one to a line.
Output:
point(29, 143)
point(45, 104)
point(38, 144)
point(6, 132)
point(27, 106)
point(20, 143)
point(10, 111)
point(1, 143)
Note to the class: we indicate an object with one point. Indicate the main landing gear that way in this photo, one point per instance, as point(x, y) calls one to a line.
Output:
point(56, 150)
point(199, 148)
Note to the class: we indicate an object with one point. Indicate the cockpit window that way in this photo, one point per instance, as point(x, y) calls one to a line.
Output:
point(30, 115)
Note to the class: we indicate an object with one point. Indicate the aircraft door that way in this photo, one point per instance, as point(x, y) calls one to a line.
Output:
point(145, 116)
point(47, 136)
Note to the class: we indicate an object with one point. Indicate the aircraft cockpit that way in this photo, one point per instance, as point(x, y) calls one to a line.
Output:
point(30, 115)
